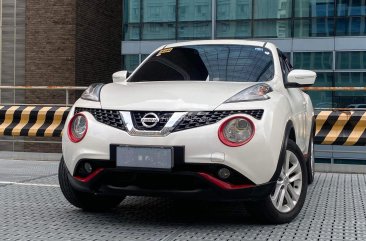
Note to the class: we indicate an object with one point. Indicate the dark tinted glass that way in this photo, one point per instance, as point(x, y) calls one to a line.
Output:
point(351, 8)
point(351, 60)
point(208, 62)
point(313, 60)
point(354, 26)
point(314, 8)
point(322, 99)
point(315, 27)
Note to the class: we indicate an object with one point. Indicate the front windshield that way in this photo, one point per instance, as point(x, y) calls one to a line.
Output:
point(239, 63)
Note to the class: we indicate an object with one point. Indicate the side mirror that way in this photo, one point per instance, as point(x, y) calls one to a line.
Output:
point(120, 76)
point(300, 78)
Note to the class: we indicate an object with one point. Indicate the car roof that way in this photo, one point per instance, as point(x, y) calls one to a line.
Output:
point(214, 42)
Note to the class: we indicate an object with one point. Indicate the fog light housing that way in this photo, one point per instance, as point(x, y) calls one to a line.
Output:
point(224, 173)
point(88, 167)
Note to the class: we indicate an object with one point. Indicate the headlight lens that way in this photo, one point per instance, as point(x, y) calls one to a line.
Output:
point(236, 131)
point(92, 93)
point(255, 92)
point(78, 127)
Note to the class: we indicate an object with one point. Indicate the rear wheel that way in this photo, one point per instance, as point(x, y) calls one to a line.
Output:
point(288, 197)
point(85, 201)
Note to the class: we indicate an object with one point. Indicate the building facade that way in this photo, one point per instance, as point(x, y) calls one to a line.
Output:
point(327, 36)
point(55, 43)
point(65, 43)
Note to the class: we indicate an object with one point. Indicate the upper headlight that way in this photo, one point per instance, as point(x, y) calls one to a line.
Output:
point(92, 92)
point(255, 92)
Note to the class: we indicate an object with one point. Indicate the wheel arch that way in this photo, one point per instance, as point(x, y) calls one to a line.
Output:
point(289, 133)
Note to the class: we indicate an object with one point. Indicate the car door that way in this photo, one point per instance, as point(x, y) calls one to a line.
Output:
point(298, 104)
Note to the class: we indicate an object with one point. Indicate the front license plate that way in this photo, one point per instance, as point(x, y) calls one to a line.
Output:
point(145, 157)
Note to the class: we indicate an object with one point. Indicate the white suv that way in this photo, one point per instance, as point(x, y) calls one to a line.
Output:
point(218, 120)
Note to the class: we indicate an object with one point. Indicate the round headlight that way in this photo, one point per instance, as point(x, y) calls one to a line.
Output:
point(78, 127)
point(236, 131)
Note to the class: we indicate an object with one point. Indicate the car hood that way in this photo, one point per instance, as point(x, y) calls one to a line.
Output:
point(169, 96)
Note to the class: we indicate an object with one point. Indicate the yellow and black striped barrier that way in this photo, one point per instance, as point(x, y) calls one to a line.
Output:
point(347, 128)
point(332, 127)
point(32, 121)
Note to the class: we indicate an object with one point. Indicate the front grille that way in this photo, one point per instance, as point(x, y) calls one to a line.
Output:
point(191, 120)
point(109, 117)
point(198, 119)
point(163, 119)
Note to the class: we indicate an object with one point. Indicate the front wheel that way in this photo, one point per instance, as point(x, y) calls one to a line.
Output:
point(85, 201)
point(288, 196)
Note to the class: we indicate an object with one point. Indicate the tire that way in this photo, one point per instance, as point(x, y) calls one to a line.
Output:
point(85, 201)
point(268, 210)
point(310, 163)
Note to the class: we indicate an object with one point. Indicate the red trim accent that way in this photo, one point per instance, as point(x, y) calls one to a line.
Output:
point(222, 184)
point(230, 143)
point(90, 177)
point(69, 132)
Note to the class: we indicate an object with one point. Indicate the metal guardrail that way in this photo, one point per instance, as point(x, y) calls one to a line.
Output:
point(342, 126)
point(67, 90)
point(334, 89)
point(49, 128)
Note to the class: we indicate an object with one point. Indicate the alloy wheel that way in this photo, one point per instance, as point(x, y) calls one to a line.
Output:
point(289, 185)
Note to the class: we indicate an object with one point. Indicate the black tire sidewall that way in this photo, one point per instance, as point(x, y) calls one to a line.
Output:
point(265, 208)
point(85, 201)
point(310, 168)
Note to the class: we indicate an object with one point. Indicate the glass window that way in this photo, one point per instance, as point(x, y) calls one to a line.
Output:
point(313, 60)
point(194, 30)
point(233, 29)
point(314, 8)
point(159, 17)
point(233, 9)
point(131, 11)
point(158, 31)
point(351, 60)
point(351, 7)
point(194, 19)
point(347, 98)
point(316, 27)
point(354, 26)
point(322, 99)
point(159, 11)
point(194, 10)
point(131, 20)
point(131, 31)
point(208, 62)
point(272, 29)
point(130, 61)
point(272, 9)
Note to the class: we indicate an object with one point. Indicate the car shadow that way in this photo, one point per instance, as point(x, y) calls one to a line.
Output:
point(166, 211)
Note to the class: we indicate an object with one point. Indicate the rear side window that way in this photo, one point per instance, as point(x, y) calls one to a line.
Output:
point(237, 63)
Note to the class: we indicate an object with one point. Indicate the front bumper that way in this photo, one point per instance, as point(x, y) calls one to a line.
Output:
point(257, 160)
point(186, 181)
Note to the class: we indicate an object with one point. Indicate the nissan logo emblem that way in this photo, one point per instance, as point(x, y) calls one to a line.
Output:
point(150, 120)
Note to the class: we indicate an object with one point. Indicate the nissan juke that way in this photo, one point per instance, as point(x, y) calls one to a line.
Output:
point(222, 120)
